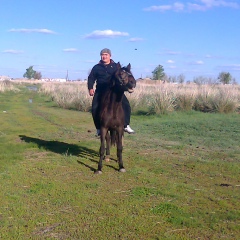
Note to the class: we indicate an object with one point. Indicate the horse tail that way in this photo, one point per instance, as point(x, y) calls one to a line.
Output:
point(113, 137)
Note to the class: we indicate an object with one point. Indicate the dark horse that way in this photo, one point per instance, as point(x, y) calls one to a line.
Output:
point(112, 114)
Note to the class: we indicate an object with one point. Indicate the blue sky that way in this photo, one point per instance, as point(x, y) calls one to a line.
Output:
point(193, 37)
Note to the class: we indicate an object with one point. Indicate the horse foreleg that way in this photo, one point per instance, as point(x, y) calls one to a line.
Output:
point(101, 150)
point(107, 157)
point(119, 152)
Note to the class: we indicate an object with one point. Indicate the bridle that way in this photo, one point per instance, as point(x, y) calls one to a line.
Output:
point(121, 80)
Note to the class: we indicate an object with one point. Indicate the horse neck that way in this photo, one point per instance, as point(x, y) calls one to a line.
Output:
point(112, 98)
point(115, 95)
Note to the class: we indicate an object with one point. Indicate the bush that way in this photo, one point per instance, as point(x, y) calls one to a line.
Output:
point(224, 102)
point(185, 102)
point(161, 102)
point(221, 99)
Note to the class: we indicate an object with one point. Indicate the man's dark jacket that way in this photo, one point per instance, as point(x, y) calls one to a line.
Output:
point(101, 74)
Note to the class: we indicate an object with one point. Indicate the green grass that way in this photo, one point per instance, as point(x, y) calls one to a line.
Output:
point(182, 179)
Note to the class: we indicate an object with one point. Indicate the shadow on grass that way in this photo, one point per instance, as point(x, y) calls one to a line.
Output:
point(66, 149)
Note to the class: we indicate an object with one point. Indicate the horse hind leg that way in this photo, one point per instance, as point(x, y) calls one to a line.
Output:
point(107, 157)
point(119, 153)
point(101, 157)
point(101, 151)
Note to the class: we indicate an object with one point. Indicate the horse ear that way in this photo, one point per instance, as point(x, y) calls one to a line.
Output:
point(118, 65)
point(129, 67)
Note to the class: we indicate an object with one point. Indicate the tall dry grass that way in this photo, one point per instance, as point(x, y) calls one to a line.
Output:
point(72, 95)
point(154, 98)
point(167, 97)
point(7, 85)
point(218, 98)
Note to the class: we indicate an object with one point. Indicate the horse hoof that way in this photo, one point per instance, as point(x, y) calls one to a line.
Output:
point(98, 172)
point(122, 170)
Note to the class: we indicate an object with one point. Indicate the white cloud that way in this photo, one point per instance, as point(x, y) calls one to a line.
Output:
point(70, 50)
point(12, 51)
point(196, 7)
point(208, 56)
point(199, 62)
point(106, 34)
point(170, 61)
point(178, 6)
point(235, 67)
point(219, 3)
point(34, 30)
point(203, 5)
point(172, 53)
point(211, 56)
point(175, 7)
point(135, 39)
point(160, 8)
point(231, 67)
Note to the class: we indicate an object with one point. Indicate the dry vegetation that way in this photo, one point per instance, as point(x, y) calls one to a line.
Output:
point(154, 97)
point(7, 85)
point(68, 95)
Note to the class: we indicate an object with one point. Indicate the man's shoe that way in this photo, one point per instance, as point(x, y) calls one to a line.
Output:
point(98, 133)
point(128, 129)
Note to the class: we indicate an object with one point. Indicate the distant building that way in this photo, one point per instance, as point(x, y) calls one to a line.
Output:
point(53, 79)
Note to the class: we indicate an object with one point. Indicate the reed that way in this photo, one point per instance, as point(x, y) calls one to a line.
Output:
point(68, 95)
point(154, 97)
point(218, 98)
point(7, 85)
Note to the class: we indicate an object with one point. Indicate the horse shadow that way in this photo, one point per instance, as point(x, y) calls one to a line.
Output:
point(64, 148)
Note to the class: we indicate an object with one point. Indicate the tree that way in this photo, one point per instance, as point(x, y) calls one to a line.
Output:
point(37, 75)
point(172, 79)
point(30, 73)
point(234, 81)
point(225, 77)
point(181, 78)
point(204, 80)
point(158, 73)
point(176, 79)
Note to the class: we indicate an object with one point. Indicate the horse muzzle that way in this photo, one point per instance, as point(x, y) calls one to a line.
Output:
point(130, 90)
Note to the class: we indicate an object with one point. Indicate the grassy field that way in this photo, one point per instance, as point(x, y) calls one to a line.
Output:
point(182, 179)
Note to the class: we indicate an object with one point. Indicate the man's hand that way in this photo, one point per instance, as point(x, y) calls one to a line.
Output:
point(91, 92)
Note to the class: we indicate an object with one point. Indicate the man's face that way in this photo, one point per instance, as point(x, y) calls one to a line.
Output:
point(105, 57)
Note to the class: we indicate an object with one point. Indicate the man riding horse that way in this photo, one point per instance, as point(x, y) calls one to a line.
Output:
point(101, 73)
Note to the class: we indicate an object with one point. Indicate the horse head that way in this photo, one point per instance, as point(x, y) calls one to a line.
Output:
point(125, 78)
